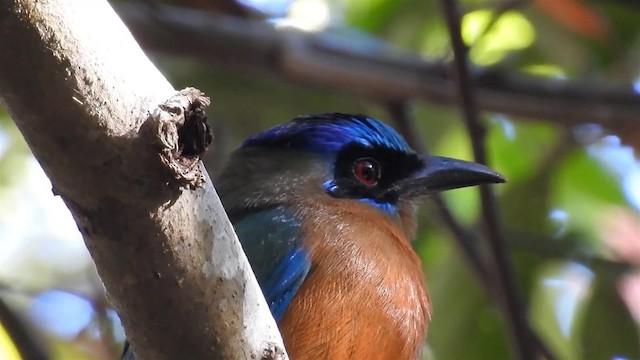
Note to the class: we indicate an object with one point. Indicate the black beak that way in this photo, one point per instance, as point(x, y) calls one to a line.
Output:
point(441, 173)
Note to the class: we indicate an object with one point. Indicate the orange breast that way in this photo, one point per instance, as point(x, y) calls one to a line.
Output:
point(364, 297)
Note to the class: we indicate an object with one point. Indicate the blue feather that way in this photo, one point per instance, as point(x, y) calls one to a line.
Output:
point(328, 133)
point(389, 208)
point(271, 239)
point(285, 281)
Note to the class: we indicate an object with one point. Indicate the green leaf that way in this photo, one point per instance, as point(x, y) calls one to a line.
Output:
point(371, 15)
point(608, 330)
point(464, 324)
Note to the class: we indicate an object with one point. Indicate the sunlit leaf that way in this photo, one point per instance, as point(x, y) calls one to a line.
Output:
point(8, 350)
point(511, 31)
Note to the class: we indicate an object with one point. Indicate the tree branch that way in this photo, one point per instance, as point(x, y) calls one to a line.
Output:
point(520, 332)
point(95, 113)
point(467, 242)
point(385, 74)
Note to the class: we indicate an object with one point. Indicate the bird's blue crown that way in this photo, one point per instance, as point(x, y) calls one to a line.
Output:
point(328, 133)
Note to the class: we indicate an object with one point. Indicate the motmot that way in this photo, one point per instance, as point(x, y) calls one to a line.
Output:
point(325, 208)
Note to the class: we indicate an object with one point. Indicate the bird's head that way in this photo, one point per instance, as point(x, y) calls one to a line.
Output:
point(341, 156)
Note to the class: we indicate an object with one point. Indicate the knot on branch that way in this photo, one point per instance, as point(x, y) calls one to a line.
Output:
point(272, 351)
point(183, 135)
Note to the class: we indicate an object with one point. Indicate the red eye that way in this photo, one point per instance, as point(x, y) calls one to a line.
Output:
point(367, 171)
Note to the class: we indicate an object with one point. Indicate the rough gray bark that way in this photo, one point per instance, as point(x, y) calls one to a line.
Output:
point(86, 99)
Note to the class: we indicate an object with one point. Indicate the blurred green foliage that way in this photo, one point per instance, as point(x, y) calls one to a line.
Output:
point(558, 196)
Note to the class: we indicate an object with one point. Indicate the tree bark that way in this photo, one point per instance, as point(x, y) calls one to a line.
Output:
point(122, 150)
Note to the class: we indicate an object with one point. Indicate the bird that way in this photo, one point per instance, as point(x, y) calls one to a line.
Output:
point(325, 207)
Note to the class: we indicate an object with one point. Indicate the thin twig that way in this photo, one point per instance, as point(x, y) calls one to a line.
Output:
point(523, 345)
point(465, 239)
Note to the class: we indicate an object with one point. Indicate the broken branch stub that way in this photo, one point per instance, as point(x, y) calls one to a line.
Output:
point(184, 135)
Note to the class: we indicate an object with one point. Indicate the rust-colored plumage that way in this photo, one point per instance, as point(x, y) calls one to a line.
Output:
point(364, 297)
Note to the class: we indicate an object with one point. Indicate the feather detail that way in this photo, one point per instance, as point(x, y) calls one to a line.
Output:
point(271, 239)
point(327, 133)
point(285, 280)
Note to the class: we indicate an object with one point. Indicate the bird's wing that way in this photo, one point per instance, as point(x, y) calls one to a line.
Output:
point(271, 239)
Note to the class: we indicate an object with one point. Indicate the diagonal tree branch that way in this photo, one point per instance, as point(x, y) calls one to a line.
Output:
point(122, 150)
point(385, 74)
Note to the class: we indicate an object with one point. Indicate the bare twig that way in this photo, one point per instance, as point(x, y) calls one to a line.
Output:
point(520, 332)
point(383, 73)
point(466, 240)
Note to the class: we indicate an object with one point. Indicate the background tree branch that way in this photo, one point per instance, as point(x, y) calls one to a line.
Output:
point(509, 296)
point(380, 72)
point(86, 99)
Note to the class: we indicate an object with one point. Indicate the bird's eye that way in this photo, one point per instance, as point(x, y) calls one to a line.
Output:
point(367, 171)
